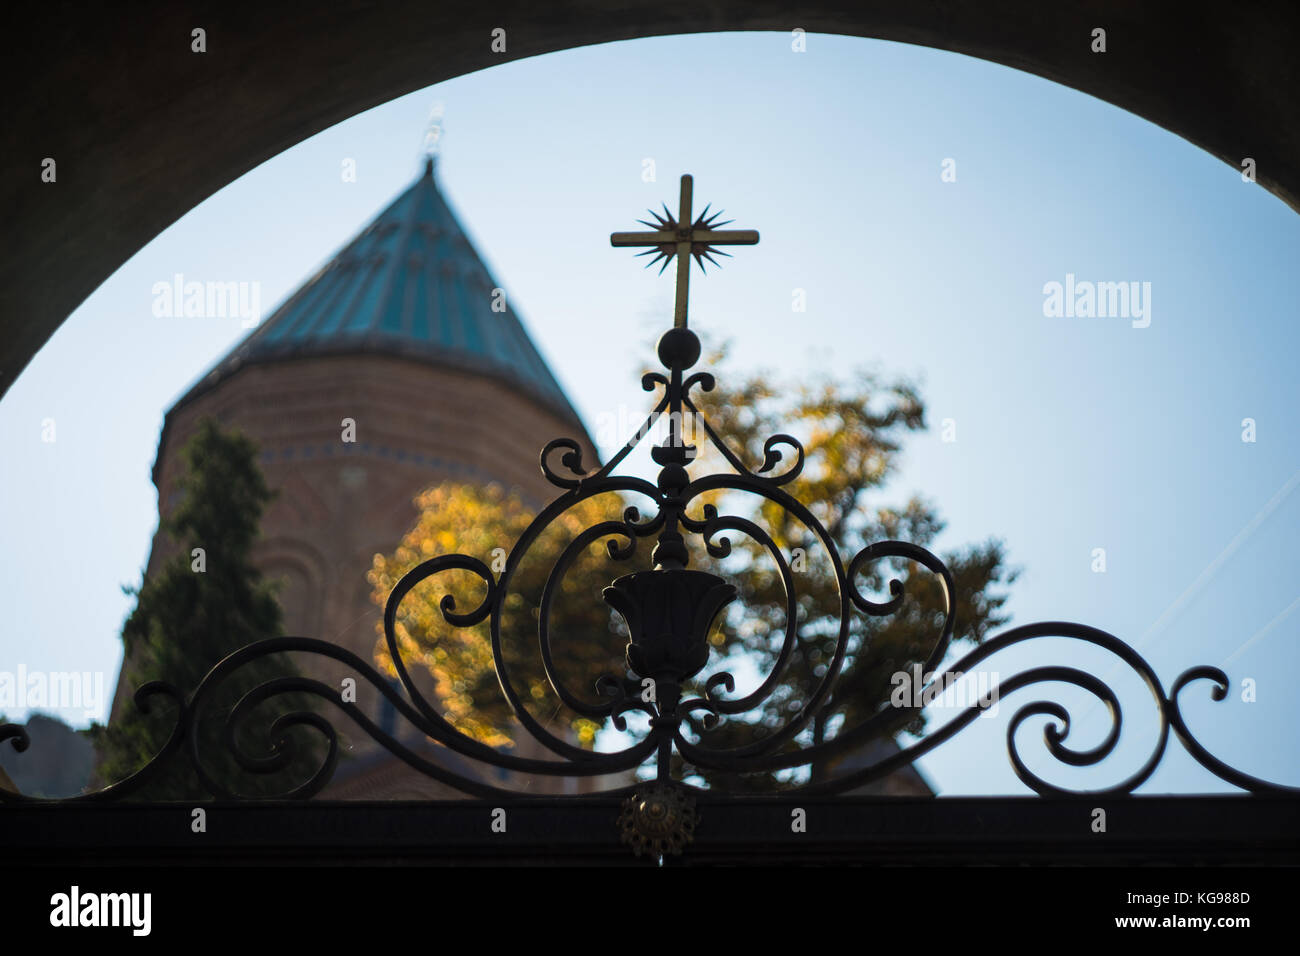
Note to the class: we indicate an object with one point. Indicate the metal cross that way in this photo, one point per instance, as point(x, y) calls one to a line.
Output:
point(683, 238)
point(433, 132)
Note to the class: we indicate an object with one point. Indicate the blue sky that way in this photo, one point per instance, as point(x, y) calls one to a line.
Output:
point(1072, 433)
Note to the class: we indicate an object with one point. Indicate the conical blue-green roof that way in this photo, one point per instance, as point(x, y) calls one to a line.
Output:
point(409, 284)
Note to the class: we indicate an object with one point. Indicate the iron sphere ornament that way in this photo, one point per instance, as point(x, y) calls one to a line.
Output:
point(669, 610)
point(679, 348)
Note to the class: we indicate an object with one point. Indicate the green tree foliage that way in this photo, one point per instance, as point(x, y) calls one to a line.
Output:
point(852, 433)
point(186, 620)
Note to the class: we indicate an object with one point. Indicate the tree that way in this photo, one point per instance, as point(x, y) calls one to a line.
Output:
point(486, 522)
point(852, 433)
point(206, 600)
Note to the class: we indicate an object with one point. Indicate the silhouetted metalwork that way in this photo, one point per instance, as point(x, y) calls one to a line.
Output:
point(669, 610)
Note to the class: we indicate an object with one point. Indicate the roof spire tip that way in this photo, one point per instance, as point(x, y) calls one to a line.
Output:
point(432, 138)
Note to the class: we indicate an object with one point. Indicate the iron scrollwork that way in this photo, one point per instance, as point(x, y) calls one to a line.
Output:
point(669, 610)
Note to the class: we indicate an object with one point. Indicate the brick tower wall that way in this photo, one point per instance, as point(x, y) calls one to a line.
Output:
point(339, 504)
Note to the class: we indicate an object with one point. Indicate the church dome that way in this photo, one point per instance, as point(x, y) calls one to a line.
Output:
point(410, 284)
point(396, 338)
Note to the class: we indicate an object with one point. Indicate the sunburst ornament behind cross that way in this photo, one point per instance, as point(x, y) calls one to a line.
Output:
point(674, 238)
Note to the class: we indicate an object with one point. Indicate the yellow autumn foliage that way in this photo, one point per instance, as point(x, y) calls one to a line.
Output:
point(485, 522)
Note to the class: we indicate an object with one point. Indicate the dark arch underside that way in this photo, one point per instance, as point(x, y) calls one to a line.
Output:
point(143, 130)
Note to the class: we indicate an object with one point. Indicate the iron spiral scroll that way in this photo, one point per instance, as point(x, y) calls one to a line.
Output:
point(668, 610)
